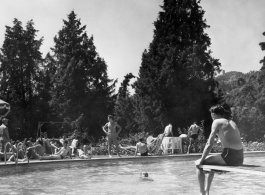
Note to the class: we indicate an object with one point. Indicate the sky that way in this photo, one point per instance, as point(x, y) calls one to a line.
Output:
point(123, 29)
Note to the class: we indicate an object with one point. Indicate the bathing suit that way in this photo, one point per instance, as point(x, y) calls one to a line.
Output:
point(194, 136)
point(144, 154)
point(233, 157)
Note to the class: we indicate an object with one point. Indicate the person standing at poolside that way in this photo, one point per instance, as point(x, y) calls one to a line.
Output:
point(4, 134)
point(193, 132)
point(110, 130)
point(232, 154)
point(168, 130)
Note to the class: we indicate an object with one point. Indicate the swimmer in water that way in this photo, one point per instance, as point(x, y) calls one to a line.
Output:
point(144, 176)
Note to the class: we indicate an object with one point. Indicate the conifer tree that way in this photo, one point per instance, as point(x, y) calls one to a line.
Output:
point(125, 107)
point(176, 78)
point(80, 83)
point(20, 73)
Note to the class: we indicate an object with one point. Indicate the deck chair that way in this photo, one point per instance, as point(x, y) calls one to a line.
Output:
point(172, 144)
point(154, 146)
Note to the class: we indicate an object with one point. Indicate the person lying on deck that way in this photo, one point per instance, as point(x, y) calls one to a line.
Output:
point(47, 144)
point(85, 153)
point(61, 154)
point(229, 134)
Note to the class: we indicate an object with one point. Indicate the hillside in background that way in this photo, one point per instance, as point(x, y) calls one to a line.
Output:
point(229, 76)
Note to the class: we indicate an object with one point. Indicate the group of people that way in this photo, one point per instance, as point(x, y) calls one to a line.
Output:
point(44, 148)
point(223, 126)
point(190, 138)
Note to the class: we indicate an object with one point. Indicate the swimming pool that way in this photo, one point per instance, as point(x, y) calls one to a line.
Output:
point(167, 176)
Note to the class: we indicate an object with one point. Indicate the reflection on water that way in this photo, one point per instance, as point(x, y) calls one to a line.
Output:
point(166, 176)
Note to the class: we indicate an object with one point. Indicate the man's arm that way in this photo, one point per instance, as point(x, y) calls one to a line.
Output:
point(210, 142)
point(104, 128)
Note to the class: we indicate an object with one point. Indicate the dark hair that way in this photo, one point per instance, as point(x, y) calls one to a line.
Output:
point(65, 142)
point(110, 116)
point(141, 139)
point(222, 110)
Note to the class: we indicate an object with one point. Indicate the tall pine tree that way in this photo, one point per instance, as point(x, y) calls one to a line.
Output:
point(20, 74)
point(80, 83)
point(176, 79)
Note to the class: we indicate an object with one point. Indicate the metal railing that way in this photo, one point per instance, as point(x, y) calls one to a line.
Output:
point(8, 143)
point(15, 154)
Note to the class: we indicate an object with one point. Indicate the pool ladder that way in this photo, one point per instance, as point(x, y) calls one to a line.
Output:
point(16, 159)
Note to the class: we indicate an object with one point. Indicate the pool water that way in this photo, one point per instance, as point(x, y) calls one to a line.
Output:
point(166, 176)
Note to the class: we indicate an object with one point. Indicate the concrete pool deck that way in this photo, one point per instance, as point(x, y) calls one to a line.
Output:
point(102, 159)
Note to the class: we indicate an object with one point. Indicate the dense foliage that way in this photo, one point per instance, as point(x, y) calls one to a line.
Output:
point(246, 94)
point(176, 78)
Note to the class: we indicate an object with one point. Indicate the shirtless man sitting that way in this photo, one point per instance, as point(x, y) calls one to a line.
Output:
point(60, 154)
point(141, 147)
point(36, 150)
point(232, 155)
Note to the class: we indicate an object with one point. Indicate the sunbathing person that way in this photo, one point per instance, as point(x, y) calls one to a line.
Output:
point(141, 146)
point(35, 150)
point(86, 154)
point(47, 144)
point(85, 142)
point(73, 145)
point(56, 145)
point(18, 151)
point(229, 134)
point(61, 154)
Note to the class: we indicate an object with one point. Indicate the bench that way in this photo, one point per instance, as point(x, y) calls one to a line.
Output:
point(247, 169)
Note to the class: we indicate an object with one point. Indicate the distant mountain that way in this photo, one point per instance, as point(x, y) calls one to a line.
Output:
point(229, 76)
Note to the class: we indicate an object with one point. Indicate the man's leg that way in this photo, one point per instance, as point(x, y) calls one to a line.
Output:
point(51, 157)
point(117, 146)
point(189, 145)
point(201, 179)
point(195, 145)
point(109, 145)
point(209, 182)
point(210, 160)
point(3, 147)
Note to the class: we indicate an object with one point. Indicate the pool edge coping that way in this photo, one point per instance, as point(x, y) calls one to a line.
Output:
point(192, 156)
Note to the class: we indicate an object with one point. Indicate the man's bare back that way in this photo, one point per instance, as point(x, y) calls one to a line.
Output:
point(228, 133)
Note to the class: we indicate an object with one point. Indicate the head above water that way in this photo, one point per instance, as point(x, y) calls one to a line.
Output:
point(221, 111)
point(144, 174)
